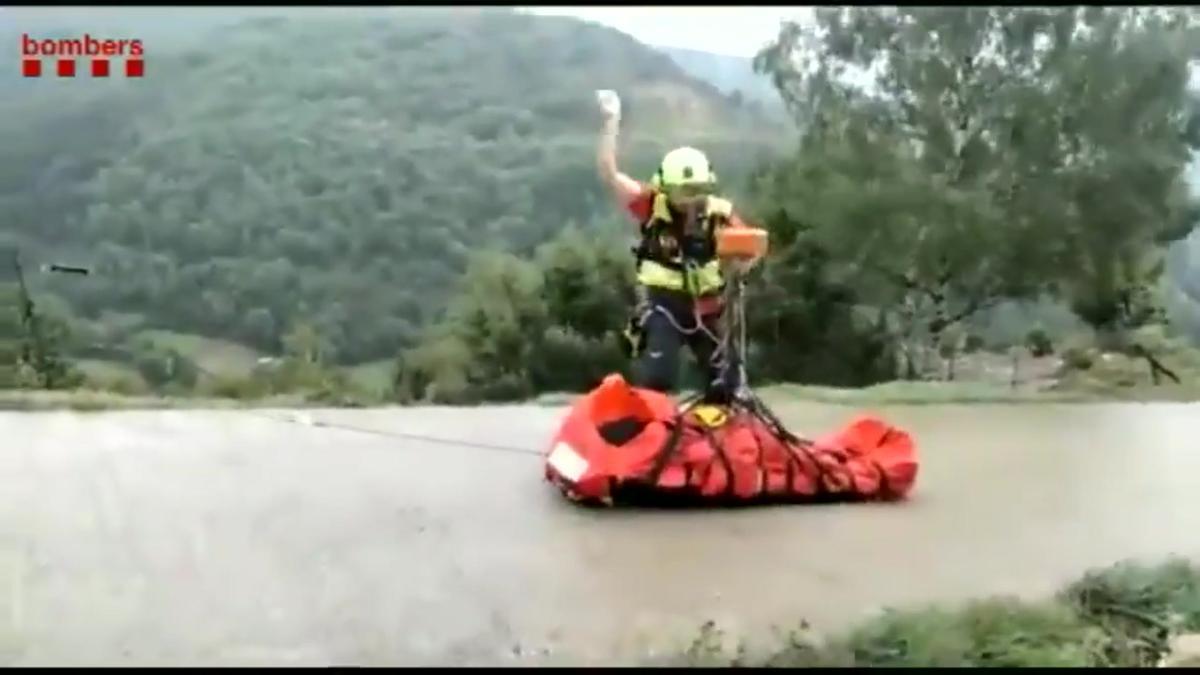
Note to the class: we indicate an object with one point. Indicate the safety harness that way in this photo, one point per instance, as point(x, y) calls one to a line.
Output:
point(692, 417)
point(679, 255)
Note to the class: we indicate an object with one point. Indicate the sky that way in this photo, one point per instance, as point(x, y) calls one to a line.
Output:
point(731, 30)
point(736, 31)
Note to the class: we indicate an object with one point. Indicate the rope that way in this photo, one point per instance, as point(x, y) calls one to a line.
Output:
point(496, 447)
point(718, 357)
point(402, 435)
point(698, 328)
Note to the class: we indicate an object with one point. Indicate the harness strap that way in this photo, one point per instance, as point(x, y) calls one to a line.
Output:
point(715, 212)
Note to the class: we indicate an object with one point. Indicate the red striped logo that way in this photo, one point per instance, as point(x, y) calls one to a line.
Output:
point(71, 57)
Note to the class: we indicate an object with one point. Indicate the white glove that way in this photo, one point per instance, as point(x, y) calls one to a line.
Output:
point(610, 103)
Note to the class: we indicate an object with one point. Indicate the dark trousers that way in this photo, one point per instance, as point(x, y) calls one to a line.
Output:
point(657, 364)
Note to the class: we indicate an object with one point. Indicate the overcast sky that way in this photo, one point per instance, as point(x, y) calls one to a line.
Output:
point(738, 31)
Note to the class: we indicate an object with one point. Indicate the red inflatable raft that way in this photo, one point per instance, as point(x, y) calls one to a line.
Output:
point(620, 443)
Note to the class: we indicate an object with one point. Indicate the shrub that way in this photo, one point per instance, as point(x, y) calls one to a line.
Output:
point(1039, 343)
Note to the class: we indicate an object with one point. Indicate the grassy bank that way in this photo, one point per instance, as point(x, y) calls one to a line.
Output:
point(234, 378)
point(1128, 615)
point(891, 394)
point(93, 400)
point(362, 395)
point(942, 393)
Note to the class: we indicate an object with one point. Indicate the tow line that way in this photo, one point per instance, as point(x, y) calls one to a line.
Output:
point(308, 421)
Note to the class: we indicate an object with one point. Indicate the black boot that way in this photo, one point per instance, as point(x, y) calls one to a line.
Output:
point(718, 392)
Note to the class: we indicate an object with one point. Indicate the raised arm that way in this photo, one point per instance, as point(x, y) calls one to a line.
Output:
point(624, 188)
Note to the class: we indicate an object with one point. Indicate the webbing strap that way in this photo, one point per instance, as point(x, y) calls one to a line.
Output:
point(730, 487)
point(794, 445)
point(672, 443)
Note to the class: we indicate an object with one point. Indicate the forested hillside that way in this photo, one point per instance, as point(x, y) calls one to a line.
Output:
point(333, 171)
point(415, 188)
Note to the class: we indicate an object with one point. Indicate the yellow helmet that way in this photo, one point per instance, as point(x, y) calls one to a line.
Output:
point(685, 167)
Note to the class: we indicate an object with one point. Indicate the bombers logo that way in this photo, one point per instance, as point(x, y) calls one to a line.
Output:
point(64, 51)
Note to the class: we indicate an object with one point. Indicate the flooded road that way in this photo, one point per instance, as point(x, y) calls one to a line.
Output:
point(245, 537)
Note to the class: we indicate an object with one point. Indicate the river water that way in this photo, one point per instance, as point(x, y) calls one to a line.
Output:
point(256, 537)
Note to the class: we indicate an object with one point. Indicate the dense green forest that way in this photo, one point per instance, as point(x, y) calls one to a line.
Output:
point(334, 171)
point(418, 187)
point(998, 156)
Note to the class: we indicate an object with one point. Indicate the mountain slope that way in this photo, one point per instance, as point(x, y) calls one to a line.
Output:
point(727, 73)
point(336, 170)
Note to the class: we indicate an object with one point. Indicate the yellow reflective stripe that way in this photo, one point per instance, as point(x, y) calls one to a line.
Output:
point(706, 279)
point(659, 210)
point(651, 273)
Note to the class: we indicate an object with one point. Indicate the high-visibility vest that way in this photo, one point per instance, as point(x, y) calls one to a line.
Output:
point(682, 261)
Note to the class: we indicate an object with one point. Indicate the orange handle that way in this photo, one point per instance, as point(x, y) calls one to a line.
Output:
point(745, 243)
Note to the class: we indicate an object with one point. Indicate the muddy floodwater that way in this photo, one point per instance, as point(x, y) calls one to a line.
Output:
point(257, 537)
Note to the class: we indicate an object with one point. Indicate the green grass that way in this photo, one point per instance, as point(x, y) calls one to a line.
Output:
point(928, 393)
point(1118, 376)
point(373, 376)
point(918, 393)
point(1122, 616)
point(367, 389)
point(112, 377)
point(1110, 377)
point(213, 356)
point(102, 369)
point(90, 400)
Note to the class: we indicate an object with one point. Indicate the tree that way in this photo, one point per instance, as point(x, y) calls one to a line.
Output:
point(588, 280)
point(1127, 134)
point(258, 326)
point(961, 156)
point(304, 344)
point(1183, 286)
point(321, 186)
point(33, 338)
point(521, 326)
point(804, 322)
point(12, 336)
point(164, 367)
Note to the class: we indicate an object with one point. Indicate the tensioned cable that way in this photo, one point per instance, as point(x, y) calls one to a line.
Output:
point(403, 435)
